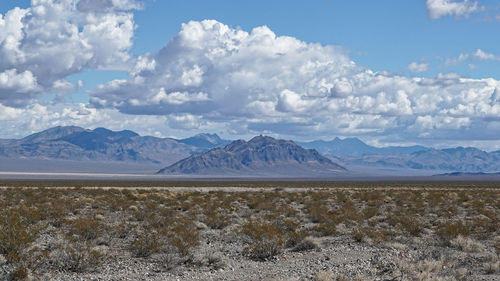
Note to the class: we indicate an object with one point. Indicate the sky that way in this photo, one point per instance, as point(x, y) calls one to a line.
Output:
point(389, 72)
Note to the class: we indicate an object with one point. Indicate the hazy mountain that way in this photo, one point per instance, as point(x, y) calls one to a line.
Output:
point(259, 156)
point(205, 141)
point(355, 147)
point(460, 159)
point(75, 143)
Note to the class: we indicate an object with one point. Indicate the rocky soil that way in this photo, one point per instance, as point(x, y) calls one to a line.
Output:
point(250, 234)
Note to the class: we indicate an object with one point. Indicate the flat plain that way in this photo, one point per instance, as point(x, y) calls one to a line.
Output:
point(249, 230)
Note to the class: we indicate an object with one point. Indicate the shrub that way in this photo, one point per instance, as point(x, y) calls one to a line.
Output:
point(15, 235)
point(145, 244)
point(184, 236)
point(75, 257)
point(467, 244)
point(358, 235)
point(306, 245)
point(325, 229)
point(87, 228)
point(215, 219)
point(449, 230)
point(264, 240)
point(412, 225)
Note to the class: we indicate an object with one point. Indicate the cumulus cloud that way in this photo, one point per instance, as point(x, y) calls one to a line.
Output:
point(254, 82)
point(441, 8)
point(41, 45)
point(418, 67)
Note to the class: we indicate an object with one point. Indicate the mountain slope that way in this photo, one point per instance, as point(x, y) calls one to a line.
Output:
point(75, 143)
point(355, 147)
point(460, 159)
point(259, 156)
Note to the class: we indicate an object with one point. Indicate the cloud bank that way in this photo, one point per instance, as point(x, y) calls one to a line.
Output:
point(253, 82)
point(42, 45)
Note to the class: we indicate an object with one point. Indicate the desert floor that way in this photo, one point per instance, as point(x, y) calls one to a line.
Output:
point(249, 230)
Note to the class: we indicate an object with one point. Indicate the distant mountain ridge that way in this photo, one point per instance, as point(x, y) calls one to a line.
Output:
point(205, 141)
point(459, 159)
point(103, 145)
point(100, 144)
point(259, 156)
point(355, 147)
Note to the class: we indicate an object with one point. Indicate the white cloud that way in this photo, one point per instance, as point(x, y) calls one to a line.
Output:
point(480, 54)
point(184, 121)
point(254, 82)
point(457, 60)
point(418, 67)
point(53, 39)
point(213, 77)
point(441, 8)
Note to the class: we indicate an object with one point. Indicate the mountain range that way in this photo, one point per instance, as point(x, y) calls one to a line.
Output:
point(209, 154)
point(355, 147)
point(75, 143)
point(459, 159)
point(262, 156)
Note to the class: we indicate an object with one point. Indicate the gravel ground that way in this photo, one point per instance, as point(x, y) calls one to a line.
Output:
point(220, 254)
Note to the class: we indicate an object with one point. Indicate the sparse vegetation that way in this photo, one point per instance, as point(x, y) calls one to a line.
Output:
point(451, 232)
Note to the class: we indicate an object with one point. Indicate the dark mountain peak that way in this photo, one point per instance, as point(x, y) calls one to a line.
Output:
point(53, 133)
point(264, 140)
point(99, 138)
point(260, 155)
point(101, 130)
point(235, 145)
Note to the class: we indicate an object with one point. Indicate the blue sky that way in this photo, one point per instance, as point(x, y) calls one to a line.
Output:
point(381, 35)
point(376, 66)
